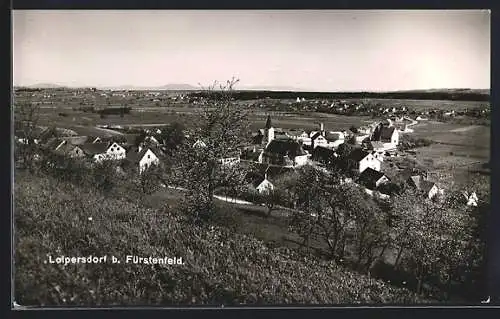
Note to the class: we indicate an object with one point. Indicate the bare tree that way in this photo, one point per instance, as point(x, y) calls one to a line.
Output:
point(219, 129)
point(26, 119)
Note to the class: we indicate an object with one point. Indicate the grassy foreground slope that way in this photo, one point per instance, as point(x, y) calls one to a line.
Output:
point(57, 218)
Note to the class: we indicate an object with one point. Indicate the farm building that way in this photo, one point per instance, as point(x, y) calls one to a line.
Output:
point(104, 151)
point(362, 160)
point(285, 153)
point(324, 155)
point(372, 179)
point(318, 140)
point(334, 139)
point(388, 135)
point(428, 188)
point(69, 150)
point(142, 159)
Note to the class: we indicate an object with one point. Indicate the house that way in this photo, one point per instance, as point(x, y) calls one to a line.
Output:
point(324, 155)
point(428, 188)
point(334, 139)
point(69, 150)
point(372, 179)
point(362, 160)
point(318, 140)
point(388, 135)
point(97, 151)
point(359, 138)
point(285, 153)
point(94, 139)
point(22, 139)
point(231, 158)
point(142, 159)
point(258, 182)
point(104, 151)
point(199, 144)
point(471, 199)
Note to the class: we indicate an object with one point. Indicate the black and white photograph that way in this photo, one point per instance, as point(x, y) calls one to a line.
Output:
point(266, 158)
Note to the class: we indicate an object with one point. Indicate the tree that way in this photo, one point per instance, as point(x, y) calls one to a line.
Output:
point(26, 118)
point(304, 191)
point(172, 137)
point(220, 126)
point(433, 235)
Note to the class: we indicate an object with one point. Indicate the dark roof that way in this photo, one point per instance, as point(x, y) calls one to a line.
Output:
point(386, 132)
point(377, 145)
point(52, 143)
point(323, 153)
point(316, 135)
point(426, 186)
point(254, 178)
point(94, 148)
point(65, 149)
point(369, 177)
point(126, 139)
point(285, 147)
point(91, 138)
point(268, 122)
point(331, 137)
point(134, 156)
point(358, 154)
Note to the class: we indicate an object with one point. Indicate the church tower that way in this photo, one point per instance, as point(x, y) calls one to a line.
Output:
point(268, 131)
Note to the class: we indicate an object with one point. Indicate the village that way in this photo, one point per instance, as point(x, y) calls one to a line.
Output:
point(361, 154)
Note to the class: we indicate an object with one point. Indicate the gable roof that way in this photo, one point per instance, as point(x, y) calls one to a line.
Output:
point(377, 145)
point(316, 135)
point(135, 157)
point(94, 148)
point(369, 177)
point(358, 154)
point(426, 186)
point(332, 137)
point(65, 149)
point(52, 143)
point(285, 147)
point(386, 132)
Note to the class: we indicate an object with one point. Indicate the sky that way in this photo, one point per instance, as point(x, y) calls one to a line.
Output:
point(315, 50)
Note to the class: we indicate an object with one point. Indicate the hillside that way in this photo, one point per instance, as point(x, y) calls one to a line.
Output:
point(220, 267)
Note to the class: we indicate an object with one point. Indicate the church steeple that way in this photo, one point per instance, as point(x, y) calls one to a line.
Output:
point(268, 122)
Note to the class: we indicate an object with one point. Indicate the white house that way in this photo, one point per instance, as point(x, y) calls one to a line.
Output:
point(199, 143)
point(264, 186)
point(116, 151)
point(143, 159)
point(104, 151)
point(387, 135)
point(363, 160)
point(319, 140)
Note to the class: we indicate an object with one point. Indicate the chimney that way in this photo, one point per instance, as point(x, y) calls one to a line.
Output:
point(322, 129)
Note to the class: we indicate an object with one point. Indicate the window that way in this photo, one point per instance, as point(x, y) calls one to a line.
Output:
point(149, 156)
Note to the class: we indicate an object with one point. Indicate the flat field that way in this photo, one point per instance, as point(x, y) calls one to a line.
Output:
point(458, 151)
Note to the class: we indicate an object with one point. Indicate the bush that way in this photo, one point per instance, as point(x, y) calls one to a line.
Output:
point(219, 266)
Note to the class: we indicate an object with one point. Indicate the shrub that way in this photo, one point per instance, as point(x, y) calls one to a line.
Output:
point(219, 266)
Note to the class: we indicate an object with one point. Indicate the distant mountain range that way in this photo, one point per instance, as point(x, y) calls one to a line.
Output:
point(189, 87)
